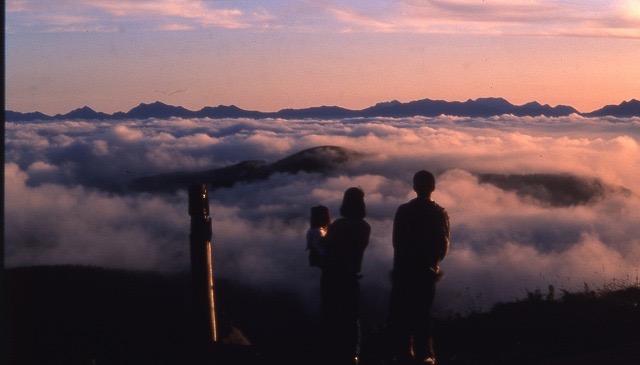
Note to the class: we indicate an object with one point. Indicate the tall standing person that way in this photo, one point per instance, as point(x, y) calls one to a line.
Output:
point(420, 243)
point(345, 242)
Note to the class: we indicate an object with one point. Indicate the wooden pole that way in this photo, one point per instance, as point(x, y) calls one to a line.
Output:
point(202, 284)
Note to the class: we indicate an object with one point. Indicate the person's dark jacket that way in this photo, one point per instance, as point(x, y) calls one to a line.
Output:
point(345, 243)
point(420, 237)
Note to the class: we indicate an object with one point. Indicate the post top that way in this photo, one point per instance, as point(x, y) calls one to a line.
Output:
point(198, 201)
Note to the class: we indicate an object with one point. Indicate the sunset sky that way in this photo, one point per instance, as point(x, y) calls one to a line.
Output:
point(270, 55)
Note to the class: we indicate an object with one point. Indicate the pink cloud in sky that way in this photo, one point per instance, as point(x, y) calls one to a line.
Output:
point(539, 17)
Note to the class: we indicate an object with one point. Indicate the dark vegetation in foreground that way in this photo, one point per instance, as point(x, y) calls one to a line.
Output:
point(84, 315)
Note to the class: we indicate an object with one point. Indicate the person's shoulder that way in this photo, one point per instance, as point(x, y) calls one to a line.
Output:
point(364, 227)
point(423, 203)
point(407, 205)
point(415, 203)
point(352, 221)
point(438, 207)
point(338, 221)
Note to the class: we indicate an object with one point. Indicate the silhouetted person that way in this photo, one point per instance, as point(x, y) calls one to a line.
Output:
point(318, 224)
point(420, 242)
point(345, 242)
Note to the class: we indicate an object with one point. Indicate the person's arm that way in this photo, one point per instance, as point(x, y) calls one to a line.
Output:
point(398, 230)
point(446, 235)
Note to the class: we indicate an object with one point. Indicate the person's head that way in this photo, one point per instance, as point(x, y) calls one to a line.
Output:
point(424, 183)
point(353, 204)
point(320, 216)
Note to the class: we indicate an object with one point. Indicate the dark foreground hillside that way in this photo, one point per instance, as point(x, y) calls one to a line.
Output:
point(80, 315)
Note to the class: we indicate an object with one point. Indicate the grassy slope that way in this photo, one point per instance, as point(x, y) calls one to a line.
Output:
point(82, 315)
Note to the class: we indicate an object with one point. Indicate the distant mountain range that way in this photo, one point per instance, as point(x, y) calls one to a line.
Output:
point(483, 107)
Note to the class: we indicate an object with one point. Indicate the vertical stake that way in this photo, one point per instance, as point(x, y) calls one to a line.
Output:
point(202, 284)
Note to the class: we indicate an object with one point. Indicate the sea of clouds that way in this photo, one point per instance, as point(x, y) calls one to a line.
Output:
point(64, 203)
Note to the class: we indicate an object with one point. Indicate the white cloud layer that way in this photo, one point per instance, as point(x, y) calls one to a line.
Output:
point(60, 207)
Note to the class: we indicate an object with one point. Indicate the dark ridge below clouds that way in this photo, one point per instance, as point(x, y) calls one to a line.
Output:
point(556, 190)
point(482, 107)
point(322, 159)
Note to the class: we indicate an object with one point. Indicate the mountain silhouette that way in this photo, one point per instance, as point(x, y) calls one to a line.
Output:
point(536, 109)
point(557, 190)
point(223, 111)
point(624, 110)
point(322, 159)
point(11, 116)
point(158, 110)
point(480, 108)
point(322, 112)
point(83, 113)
